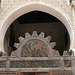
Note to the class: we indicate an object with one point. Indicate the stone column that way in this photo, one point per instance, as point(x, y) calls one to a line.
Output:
point(73, 66)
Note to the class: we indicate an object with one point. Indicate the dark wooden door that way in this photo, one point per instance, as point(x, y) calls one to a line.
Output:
point(35, 73)
point(61, 73)
point(27, 73)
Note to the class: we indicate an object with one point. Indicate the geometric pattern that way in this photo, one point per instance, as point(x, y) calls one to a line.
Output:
point(35, 48)
point(35, 64)
point(2, 64)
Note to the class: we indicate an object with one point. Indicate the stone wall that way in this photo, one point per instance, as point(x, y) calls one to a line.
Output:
point(73, 12)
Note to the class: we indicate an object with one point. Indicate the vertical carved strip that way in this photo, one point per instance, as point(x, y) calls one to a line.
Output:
point(8, 64)
point(62, 63)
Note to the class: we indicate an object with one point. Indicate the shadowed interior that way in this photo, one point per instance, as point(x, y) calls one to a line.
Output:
point(40, 22)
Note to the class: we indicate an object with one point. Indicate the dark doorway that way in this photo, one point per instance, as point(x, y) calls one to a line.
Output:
point(35, 73)
point(40, 22)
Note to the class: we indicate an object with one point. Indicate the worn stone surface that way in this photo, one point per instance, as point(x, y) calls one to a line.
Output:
point(56, 53)
point(14, 53)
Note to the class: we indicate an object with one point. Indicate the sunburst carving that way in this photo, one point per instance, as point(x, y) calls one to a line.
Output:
point(42, 47)
point(34, 34)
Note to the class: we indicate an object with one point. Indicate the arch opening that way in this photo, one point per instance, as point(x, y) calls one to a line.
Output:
point(32, 7)
point(40, 22)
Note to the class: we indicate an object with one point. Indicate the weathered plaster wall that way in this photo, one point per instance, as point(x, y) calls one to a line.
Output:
point(73, 13)
point(8, 6)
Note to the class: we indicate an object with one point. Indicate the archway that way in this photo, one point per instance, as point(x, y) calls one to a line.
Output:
point(32, 7)
point(40, 22)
